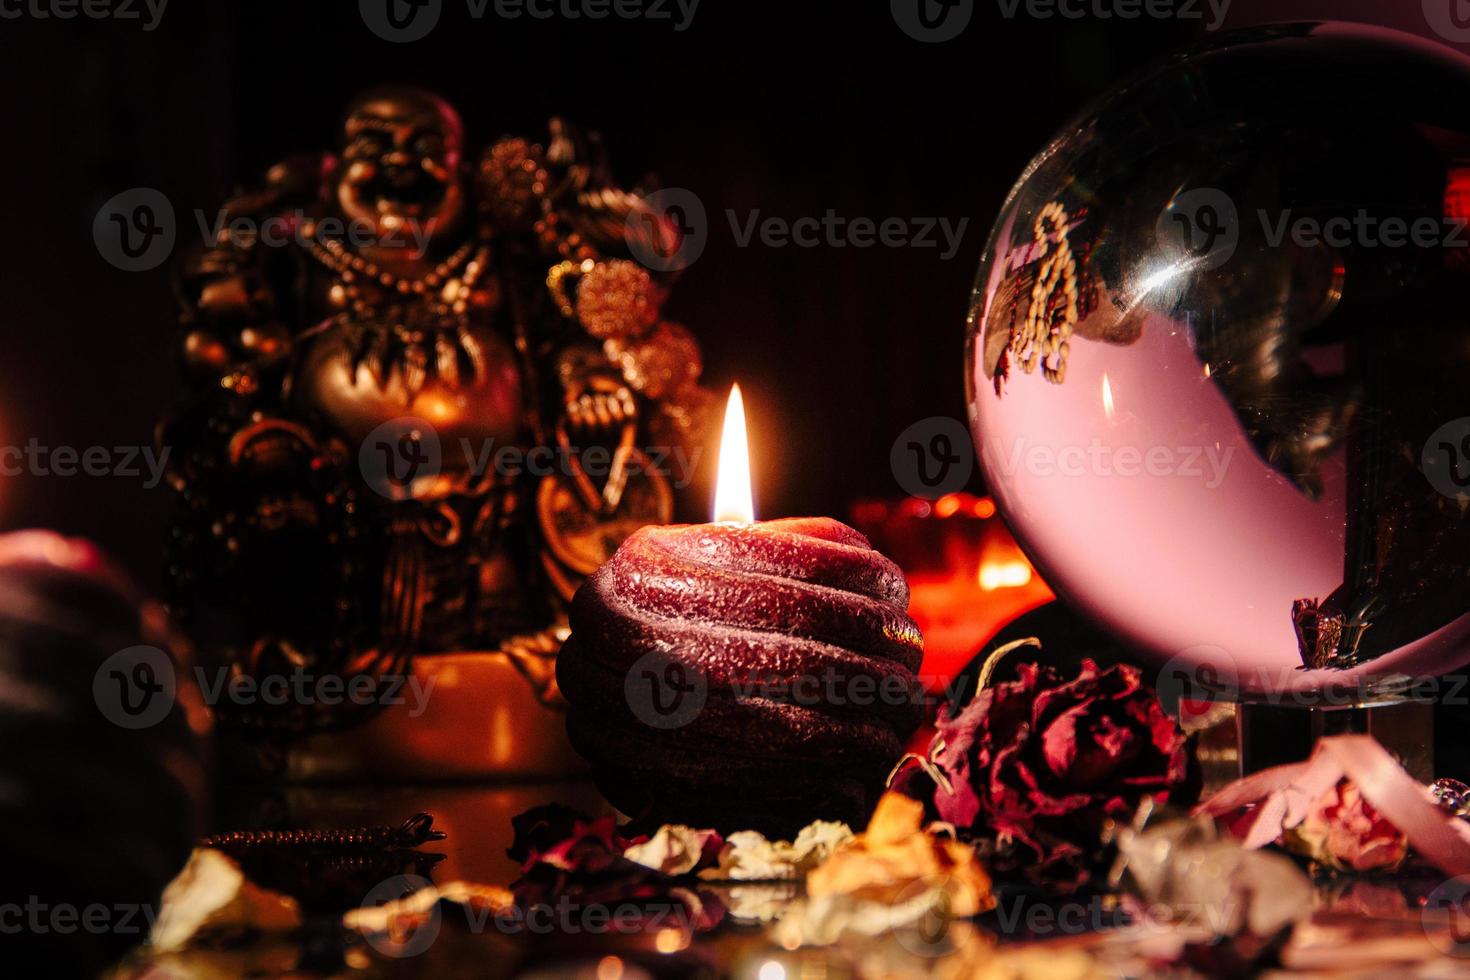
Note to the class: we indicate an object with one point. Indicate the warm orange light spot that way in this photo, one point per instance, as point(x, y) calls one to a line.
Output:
point(984, 508)
point(733, 501)
point(947, 506)
point(1004, 575)
point(771, 970)
point(437, 406)
point(1107, 397)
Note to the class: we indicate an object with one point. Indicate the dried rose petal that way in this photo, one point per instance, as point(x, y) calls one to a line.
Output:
point(677, 850)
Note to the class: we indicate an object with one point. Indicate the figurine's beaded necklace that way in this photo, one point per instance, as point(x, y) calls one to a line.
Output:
point(353, 270)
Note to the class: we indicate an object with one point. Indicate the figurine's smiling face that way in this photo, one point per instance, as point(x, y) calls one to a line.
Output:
point(401, 155)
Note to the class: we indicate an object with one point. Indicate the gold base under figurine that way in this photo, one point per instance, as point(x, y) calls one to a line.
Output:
point(475, 715)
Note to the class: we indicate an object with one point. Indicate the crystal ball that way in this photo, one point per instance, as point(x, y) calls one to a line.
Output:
point(1218, 363)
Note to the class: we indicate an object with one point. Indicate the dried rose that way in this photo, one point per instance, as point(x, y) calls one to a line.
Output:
point(1273, 805)
point(1042, 762)
point(1345, 831)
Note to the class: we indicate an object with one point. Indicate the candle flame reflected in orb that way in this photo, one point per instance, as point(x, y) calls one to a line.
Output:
point(733, 501)
point(1107, 397)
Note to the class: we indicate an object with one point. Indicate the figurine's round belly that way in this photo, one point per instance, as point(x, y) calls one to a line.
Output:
point(473, 405)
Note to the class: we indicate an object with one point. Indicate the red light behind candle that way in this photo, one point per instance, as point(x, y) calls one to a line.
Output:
point(967, 576)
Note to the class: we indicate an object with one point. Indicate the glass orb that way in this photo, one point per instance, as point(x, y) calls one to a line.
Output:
point(1218, 362)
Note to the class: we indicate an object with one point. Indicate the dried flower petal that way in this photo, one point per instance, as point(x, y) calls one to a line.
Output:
point(211, 899)
point(677, 850)
point(1209, 884)
point(896, 860)
point(761, 901)
point(589, 867)
point(403, 916)
point(749, 856)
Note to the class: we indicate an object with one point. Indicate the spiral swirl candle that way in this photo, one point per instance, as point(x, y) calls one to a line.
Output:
point(743, 674)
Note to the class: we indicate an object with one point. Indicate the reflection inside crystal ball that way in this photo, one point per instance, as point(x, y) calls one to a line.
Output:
point(1217, 362)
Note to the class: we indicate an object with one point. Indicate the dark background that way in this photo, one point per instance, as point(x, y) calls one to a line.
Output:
point(791, 108)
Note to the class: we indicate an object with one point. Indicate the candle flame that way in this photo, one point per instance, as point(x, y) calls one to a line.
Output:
point(1107, 398)
point(732, 485)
